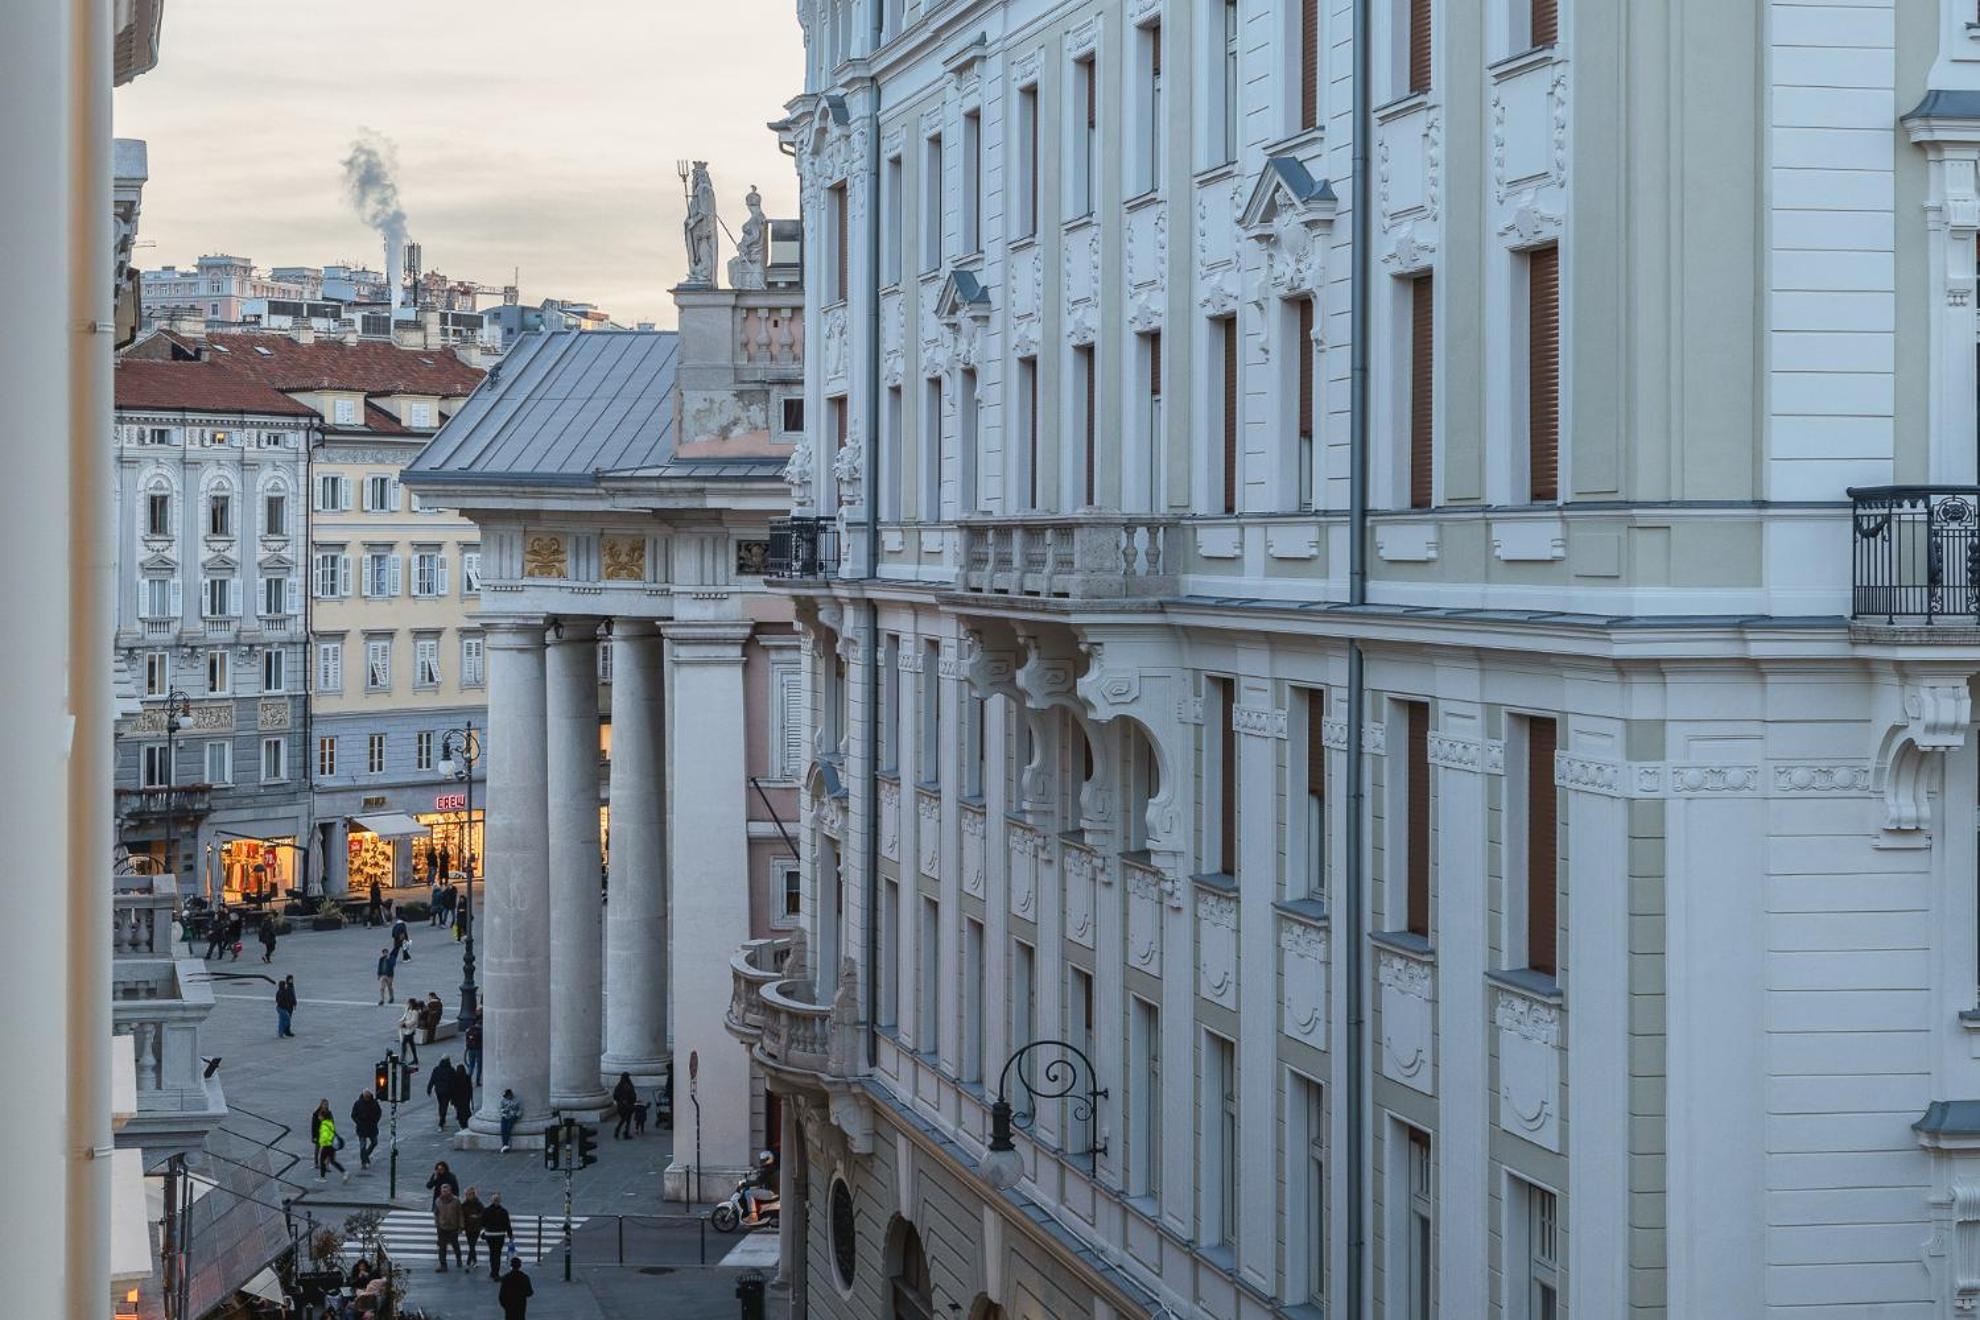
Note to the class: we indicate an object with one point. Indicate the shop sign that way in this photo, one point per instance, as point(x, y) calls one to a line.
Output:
point(450, 802)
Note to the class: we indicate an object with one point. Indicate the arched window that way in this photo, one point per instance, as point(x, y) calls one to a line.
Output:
point(158, 507)
point(914, 1291)
point(844, 1230)
point(220, 509)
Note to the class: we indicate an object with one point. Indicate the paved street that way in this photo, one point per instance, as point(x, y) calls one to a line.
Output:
point(632, 1253)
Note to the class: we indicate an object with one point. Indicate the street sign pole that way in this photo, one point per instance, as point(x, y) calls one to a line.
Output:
point(570, 1164)
point(398, 1085)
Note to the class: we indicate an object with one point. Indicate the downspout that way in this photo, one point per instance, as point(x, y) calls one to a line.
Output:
point(1352, 916)
point(870, 472)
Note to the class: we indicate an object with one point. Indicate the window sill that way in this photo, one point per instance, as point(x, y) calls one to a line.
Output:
point(1221, 172)
point(1519, 62)
point(1970, 1019)
point(1145, 198)
point(1311, 911)
point(1078, 222)
point(1217, 882)
point(1221, 1256)
point(1023, 242)
point(1407, 103)
point(1407, 943)
point(1298, 142)
point(1525, 981)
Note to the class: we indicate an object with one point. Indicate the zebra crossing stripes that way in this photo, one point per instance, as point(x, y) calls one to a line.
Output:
point(409, 1237)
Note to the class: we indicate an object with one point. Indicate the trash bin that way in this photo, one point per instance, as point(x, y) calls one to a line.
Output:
point(749, 1290)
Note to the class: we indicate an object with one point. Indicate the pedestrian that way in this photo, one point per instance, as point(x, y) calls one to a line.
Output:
point(624, 1096)
point(472, 1037)
point(440, 1085)
point(374, 911)
point(401, 938)
point(442, 1177)
point(216, 932)
point(409, 1031)
point(388, 963)
point(364, 1121)
point(432, 900)
point(447, 1227)
point(285, 1005)
point(445, 857)
point(471, 1222)
point(510, 1111)
point(516, 1291)
point(463, 1094)
point(236, 927)
point(434, 1011)
point(268, 937)
point(327, 1142)
point(495, 1230)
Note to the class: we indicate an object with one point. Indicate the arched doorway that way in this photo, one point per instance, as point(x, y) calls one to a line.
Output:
point(913, 1289)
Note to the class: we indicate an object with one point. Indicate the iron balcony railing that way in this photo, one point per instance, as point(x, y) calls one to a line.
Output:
point(802, 547)
point(155, 803)
point(1916, 554)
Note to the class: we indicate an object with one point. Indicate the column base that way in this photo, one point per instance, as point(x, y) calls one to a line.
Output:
point(488, 1123)
point(595, 1103)
point(646, 1070)
point(716, 1183)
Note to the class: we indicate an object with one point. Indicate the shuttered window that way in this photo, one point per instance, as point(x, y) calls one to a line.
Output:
point(1417, 789)
point(1315, 885)
point(1226, 859)
point(1309, 63)
point(1422, 399)
point(841, 278)
point(1543, 374)
point(1419, 45)
point(1228, 327)
point(1303, 347)
point(1087, 388)
point(1546, 22)
point(1542, 846)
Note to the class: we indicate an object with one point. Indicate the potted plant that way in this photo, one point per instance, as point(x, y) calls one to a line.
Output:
point(328, 916)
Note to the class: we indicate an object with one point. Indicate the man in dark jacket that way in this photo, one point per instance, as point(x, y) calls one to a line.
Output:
point(285, 1004)
point(495, 1230)
point(440, 1085)
point(267, 937)
point(364, 1121)
point(516, 1291)
point(463, 1096)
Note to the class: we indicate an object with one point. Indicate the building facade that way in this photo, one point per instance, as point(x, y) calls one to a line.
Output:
point(1416, 686)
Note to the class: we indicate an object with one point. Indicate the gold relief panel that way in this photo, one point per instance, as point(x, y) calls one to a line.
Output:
point(544, 557)
point(625, 558)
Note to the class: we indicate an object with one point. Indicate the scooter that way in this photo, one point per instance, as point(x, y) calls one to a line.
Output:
point(729, 1215)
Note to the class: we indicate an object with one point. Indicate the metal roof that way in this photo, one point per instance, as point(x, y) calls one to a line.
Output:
point(561, 408)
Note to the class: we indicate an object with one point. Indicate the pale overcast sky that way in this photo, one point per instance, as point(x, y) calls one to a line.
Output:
point(530, 134)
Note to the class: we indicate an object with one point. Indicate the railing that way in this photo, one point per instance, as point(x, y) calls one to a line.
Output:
point(797, 1034)
point(1083, 556)
point(770, 336)
point(153, 803)
point(160, 627)
point(220, 627)
point(802, 548)
point(161, 1003)
point(1916, 554)
point(757, 964)
point(141, 923)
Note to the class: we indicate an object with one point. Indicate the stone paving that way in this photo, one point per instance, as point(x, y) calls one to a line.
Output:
point(341, 1032)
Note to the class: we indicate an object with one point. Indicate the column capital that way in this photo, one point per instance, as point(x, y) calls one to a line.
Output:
point(581, 628)
point(512, 631)
point(624, 627)
point(706, 643)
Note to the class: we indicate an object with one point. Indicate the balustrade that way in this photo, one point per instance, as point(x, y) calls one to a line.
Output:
point(1081, 556)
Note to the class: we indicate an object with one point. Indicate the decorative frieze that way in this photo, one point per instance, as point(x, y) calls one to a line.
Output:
point(1529, 1031)
point(1080, 865)
point(1216, 948)
point(973, 848)
point(890, 820)
point(544, 556)
point(1303, 981)
point(625, 558)
point(1453, 753)
point(1823, 777)
point(1258, 721)
point(1144, 934)
point(928, 838)
point(1406, 994)
point(272, 713)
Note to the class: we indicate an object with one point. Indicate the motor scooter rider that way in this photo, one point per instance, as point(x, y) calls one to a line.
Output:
point(760, 1186)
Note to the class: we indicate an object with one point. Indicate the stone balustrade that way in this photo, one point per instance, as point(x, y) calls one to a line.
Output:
point(141, 922)
point(797, 1033)
point(770, 334)
point(161, 1004)
point(758, 964)
point(1078, 556)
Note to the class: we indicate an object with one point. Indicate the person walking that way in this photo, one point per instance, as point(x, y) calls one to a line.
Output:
point(510, 1111)
point(442, 1177)
point(388, 963)
point(327, 1142)
point(374, 908)
point(472, 1058)
point(236, 927)
point(463, 1096)
point(515, 1292)
point(440, 1085)
point(624, 1096)
point(447, 1227)
point(471, 1209)
point(495, 1231)
point(401, 938)
point(285, 1005)
point(445, 858)
point(216, 932)
point(268, 937)
point(364, 1121)
point(409, 1031)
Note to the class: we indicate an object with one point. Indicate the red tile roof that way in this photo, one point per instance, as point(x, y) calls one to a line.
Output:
point(198, 387)
point(372, 365)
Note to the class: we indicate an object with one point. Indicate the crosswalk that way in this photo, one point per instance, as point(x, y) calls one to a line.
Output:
point(409, 1237)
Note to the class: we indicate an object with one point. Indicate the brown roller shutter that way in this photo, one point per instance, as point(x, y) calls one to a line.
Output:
point(1422, 385)
point(1417, 787)
point(1316, 744)
point(1087, 384)
point(1305, 350)
point(1546, 22)
point(842, 282)
point(1309, 63)
point(1542, 846)
point(1419, 45)
point(1227, 784)
point(1154, 364)
point(1230, 335)
point(1543, 374)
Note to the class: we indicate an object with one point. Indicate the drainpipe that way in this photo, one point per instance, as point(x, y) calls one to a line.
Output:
point(871, 478)
point(1352, 916)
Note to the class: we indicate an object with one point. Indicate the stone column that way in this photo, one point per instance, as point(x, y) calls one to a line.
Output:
point(576, 920)
point(636, 907)
point(710, 892)
point(789, 1138)
point(512, 927)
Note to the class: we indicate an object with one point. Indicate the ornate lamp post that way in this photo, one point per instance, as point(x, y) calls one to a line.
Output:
point(178, 709)
point(459, 750)
point(1003, 1167)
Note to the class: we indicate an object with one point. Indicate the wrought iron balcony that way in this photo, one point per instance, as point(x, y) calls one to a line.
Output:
point(802, 547)
point(1916, 556)
point(144, 804)
point(1075, 556)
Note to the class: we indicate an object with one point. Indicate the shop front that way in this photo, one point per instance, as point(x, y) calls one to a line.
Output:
point(452, 848)
point(251, 871)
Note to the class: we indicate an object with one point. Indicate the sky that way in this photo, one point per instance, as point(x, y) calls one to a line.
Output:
point(531, 135)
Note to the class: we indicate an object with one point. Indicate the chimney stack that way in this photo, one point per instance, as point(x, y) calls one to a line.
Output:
point(302, 331)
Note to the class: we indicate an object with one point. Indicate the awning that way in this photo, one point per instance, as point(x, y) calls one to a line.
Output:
point(391, 825)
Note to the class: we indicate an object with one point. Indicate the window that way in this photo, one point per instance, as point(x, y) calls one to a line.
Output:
point(928, 982)
point(326, 756)
point(219, 763)
point(890, 951)
point(1150, 357)
point(158, 513)
point(1411, 44)
point(1027, 377)
point(330, 574)
point(789, 890)
point(794, 415)
point(1149, 170)
point(1144, 1098)
point(275, 514)
point(788, 732)
point(1079, 1032)
point(378, 665)
point(930, 752)
point(1543, 20)
point(1220, 758)
point(270, 440)
point(419, 415)
point(972, 751)
point(972, 182)
point(931, 204)
point(274, 597)
point(1227, 361)
point(1087, 385)
point(1024, 990)
point(220, 598)
point(1305, 352)
point(890, 705)
point(1309, 64)
point(426, 662)
point(333, 493)
point(161, 598)
point(1422, 391)
point(155, 435)
point(1421, 1263)
point(157, 768)
point(974, 994)
point(274, 760)
point(1533, 1262)
point(840, 282)
point(220, 514)
point(381, 494)
point(929, 508)
point(1539, 933)
point(423, 750)
point(471, 572)
point(892, 240)
point(1085, 135)
point(330, 666)
point(1306, 1191)
point(1227, 79)
point(157, 673)
point(1310, 878)
point(382, 573)
point(913, 1286)
point(1218, 1111)
point(890, 474)
point(1543, 375)
point(1416, 818)
point(429, 573)
point(374, 753)
point(966, 441)
point(274, 670)
point(472, 674)
point(343, 412)
point(1027, 163)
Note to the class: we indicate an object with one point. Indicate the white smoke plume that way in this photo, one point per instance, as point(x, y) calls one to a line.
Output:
point(368, 178)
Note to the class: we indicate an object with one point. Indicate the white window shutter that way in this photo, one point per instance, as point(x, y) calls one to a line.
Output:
point(398, 571)
point(789, 750)
point(393, 487)
point(234, 596)
point(440, 580)
point(293, 595)
point(343, 575)
point(365, 585)
point(178, 599)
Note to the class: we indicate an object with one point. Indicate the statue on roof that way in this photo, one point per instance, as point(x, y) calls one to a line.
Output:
point(699, 229)
point(746, 267)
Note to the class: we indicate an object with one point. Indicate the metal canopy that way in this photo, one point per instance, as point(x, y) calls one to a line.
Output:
point(391, 825)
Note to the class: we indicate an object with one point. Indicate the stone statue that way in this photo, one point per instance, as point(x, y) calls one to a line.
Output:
point(699, 228)
point(746, 267)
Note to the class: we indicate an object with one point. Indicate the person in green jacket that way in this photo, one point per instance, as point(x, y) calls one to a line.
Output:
point(323, 1127)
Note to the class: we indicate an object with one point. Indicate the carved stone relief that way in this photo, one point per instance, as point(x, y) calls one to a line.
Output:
point(890, 821)
point(1079, 870)
point(544, 557)
point(625, 558)
point(928, 839)
point(1216, 948)
point(1529, 1068)
point(973, 848)
point(1406, 1009)
point(1144, 943)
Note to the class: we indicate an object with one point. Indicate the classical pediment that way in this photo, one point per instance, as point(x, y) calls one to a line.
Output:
point(1286, 187)
point(158, 563)
point(277, 563)
point(962, 295)
point(220, 564)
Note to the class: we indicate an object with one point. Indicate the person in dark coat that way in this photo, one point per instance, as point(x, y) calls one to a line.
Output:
point(285, 1005)
point(495, 1230)
point(217, 924)
point(463, 1096)
point(374, 909)
point(236, 927)
point(440, 1085)
point(624, 1096)
point(364, 1121)
point(268, 937)
point(443, 1177)
point(516, 1291)
point(471, 1209)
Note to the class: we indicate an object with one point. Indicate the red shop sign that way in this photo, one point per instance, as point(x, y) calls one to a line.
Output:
point(450, 802)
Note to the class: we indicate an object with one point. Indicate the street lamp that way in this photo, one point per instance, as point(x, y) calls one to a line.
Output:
point(178, 710)
point(459, 750)
point(1003, 1167)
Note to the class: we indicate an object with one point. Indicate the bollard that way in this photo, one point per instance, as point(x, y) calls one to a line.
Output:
point(749, 1291)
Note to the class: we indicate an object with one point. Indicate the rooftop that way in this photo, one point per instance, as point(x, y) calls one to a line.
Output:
point(198, 387)
point(374, 366)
